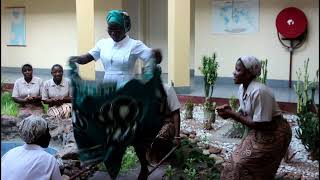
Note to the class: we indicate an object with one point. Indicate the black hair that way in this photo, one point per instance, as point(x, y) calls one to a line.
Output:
point(56, 65)
point(25, 66)
point(127, 21)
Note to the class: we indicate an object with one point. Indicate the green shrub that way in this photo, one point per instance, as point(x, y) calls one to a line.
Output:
point(8, 106)
point(307, 111)
point(238, 129)
point(209, 69)
point(129, 160)
point(308, 132)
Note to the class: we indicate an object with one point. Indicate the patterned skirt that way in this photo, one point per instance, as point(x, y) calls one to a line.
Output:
point(259, 154)
point(63, 111)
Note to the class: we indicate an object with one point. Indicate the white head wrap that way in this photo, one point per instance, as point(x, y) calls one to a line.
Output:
point(32, 128)
point(252, 64)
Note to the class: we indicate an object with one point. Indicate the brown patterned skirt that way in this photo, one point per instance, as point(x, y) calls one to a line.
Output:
point(63, 111)
point(259, 154)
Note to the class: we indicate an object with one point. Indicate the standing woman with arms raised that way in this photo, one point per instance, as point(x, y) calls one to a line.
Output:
point(259, 154)
point(119, 52)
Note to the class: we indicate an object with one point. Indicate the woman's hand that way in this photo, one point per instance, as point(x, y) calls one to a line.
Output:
point(157, 55)
point(74, 59)
point(224, 111)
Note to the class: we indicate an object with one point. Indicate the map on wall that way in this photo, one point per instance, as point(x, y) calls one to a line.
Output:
point(235, 16)
point(17, 28)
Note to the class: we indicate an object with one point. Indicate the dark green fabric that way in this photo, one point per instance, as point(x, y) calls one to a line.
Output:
point(100, 131)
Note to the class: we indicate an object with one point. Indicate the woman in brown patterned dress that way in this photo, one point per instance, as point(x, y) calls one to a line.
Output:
point(259, 154)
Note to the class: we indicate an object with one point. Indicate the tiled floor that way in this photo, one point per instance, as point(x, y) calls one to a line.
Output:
point(223, 89)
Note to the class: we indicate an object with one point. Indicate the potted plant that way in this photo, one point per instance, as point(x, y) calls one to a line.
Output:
point(189, 109)
point(209, 69)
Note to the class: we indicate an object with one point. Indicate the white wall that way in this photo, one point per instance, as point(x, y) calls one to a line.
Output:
point(157, 22)
point(50, 33)
point(263, 44)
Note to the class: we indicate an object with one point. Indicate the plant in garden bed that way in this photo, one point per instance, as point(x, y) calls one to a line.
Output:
point(190, 163)
point(308, 114)
point(169, 173)
point(209, 114)
point(238, 130)
point(8, 106)
point(129, 161)
point(209, 69)
point(189, 109)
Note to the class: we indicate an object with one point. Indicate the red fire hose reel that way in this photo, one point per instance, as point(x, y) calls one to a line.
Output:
point(292, 25)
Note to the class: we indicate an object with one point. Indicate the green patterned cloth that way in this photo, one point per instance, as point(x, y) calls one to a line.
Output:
point(107, 120)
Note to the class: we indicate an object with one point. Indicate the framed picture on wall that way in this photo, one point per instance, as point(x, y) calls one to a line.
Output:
point(235, 16)
point(16, 26)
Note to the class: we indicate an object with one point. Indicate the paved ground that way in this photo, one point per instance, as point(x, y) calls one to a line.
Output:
point(131, 174)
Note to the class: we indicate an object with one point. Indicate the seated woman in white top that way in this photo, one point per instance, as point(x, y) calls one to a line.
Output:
point(26, 92)
point(118, 53)
point(57, 93)
point(30, 161)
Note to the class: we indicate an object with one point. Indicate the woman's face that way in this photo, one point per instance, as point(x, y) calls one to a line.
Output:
point(116, 32)
point(27, 72)
point(240, 73)
point(57, 73)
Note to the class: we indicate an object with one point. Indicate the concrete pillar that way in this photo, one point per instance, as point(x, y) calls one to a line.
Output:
point(179, 44)
point(85, 31)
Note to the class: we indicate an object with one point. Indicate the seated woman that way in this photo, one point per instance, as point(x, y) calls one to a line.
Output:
point(31, 161)
point(27, 93)
point(259, 154)
point(57, 93)
point(168, 136)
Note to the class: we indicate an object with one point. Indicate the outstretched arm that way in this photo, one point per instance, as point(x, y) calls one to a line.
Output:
point(83, 59)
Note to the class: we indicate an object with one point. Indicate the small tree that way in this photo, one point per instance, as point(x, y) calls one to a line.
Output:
point(210, 71)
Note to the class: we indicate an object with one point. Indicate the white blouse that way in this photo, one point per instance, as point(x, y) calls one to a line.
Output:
point(258, 102)
point(119, 58)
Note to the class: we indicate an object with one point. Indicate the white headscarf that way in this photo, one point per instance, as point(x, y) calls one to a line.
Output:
point(252, 64)
point(32, 128)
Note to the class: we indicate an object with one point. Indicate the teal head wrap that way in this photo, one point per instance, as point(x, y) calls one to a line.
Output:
point(119, 17)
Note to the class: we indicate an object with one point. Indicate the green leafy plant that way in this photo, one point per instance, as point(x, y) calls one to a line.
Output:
point(238, 129)
point(233, 103)
point(189, 156)
point(209, 69)
point(169, 172)
point(129, 159)
point(8, 106)
point(308, 121)
point(45, 107)
point(209, 106)
point(264, 72)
